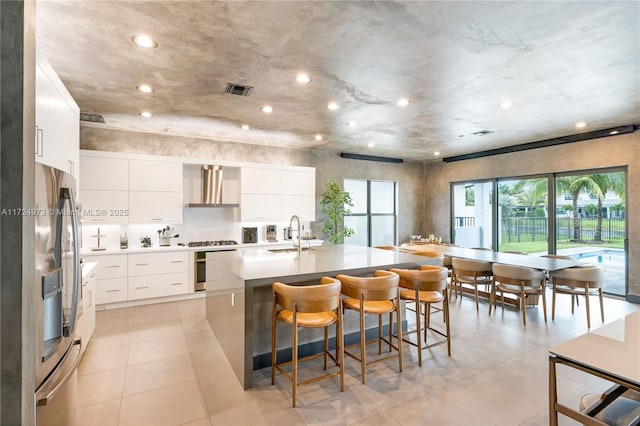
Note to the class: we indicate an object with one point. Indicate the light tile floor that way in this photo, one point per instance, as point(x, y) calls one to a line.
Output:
point(161, 365)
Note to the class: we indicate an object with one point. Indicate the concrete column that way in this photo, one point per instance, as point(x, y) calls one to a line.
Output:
point(17, 121)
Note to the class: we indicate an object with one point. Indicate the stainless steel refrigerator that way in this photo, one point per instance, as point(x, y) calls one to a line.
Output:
point(57, 296)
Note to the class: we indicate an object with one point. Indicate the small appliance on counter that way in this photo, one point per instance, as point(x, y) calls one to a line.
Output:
point(124, 241)
point(145, 240)
point(286, 233)
point(271, 233)
point(250, 235)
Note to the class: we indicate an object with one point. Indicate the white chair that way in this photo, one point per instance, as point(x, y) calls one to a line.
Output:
point(578, 281)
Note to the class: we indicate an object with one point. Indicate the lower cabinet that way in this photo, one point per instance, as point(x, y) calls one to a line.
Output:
point(137, 276)
point(87, 322)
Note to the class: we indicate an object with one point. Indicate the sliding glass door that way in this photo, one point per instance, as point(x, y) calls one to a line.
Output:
point(523, 215)
point(374, 213)
point(472, 214)
point(591, 222)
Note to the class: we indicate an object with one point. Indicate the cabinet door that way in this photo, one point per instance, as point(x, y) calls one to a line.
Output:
point(111, 290)
point(104, 173)
point(46, 120)
point(260, 181)
point(155, 176)
point(260, 207)
point(110, 266)
point(158, 263)
point(148, 286)
point(299, 182)
point(163, 207)
point(88, 308)
point(105, 206)
point(302, 205)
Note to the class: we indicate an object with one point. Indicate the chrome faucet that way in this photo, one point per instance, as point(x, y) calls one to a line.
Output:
point(299, 241)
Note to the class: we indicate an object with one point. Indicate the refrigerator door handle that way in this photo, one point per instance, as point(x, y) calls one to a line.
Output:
point(66, 194)
point(50, 394)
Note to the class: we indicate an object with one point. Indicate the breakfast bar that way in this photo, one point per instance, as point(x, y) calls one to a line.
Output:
point(238, 305)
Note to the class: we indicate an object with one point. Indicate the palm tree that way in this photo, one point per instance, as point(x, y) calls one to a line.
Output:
point(575, 185)
point(606, 182)
point(531, 192)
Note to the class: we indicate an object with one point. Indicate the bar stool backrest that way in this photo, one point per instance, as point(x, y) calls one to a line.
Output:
point(309, 298)
point(428, 278)
point(382, 286)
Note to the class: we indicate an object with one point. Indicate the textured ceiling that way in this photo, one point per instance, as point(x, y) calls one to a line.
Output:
point(559, 62)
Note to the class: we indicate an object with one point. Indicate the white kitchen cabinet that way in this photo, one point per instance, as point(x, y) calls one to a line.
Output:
point(150, 206)
point(102, 173)
point(163, 176)
point(260, 207)
point(255, 180)
point(158, 274)
point(158, 263)
point(298, 182)
point(87, 321)
point(110, 278)
point(57, 141)
point(98, 206)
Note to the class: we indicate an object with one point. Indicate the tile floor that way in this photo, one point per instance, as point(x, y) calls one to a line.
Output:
point(161, 365)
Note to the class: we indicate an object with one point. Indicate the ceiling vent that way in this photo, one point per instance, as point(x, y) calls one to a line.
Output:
point(237, 89)
point(482, 132)
point(94, 118)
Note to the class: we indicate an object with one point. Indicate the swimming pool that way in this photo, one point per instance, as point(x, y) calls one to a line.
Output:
point(602, 256)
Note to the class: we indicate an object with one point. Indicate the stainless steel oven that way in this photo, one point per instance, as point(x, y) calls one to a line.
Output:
point(200, 275)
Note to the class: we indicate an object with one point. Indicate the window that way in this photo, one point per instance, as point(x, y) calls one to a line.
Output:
point(374, 213)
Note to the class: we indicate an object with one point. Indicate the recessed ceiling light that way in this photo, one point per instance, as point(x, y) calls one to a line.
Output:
point(403, 102)
point(145, 88)
point(332, 105)
point(352, 123)
point(437, 153)
point(371, 144)
point(614, 132)
point(146, 114)
point(318, 137)
point(303, 78)
point(267, 109)
point(506, 104)
point(580, 124)
point(144, 41)
point(245, 127)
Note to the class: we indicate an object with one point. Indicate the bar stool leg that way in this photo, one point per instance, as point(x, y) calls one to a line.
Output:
point(273, 345)
point(586, 304)
point(363, 346)
point(601, 303)
point(418, 331)
point(445, 306)
point(326, 345)
point(294, 359)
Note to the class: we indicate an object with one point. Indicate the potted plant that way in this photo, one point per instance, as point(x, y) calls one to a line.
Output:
point(335, 205)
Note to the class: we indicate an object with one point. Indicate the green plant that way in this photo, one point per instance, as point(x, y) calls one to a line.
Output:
point(335, 205)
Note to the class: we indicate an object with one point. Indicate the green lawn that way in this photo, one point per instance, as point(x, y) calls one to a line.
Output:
point(540, 246)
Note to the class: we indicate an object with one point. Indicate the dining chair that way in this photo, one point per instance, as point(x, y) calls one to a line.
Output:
point(521, 282)
point(469, 272)
point(578, 281)
point(425, 287)
point(307, 306)
point(377, 295)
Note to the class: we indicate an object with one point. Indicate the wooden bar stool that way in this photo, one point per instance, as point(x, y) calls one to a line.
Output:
point(578, 281)
point(425, 287)
point(376, 295)
point(309, 306)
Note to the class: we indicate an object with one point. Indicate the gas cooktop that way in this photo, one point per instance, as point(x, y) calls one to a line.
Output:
point(212, 243)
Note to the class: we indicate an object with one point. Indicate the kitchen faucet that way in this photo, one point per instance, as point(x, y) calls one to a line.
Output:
point(294, 242)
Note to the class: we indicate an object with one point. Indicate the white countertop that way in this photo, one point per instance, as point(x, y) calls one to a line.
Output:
point(157, 249)
point(260, 263)
point(613, 349)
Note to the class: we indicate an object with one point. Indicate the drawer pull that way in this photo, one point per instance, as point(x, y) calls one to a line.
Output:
point(113, 291)
point(142, 264)
point(156, 218)
point(176, 283)
point(112, 266)
point(176, 261)
point(141, 288)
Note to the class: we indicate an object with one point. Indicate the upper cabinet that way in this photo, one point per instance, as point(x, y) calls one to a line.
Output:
point(121, 190)
point(57, 141)
point(275, 194)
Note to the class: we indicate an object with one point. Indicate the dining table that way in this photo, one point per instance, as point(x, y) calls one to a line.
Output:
point(547, 264)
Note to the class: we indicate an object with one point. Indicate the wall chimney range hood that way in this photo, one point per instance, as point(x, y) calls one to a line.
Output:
point(211, 188)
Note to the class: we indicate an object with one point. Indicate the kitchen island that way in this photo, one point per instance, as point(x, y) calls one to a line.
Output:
point(239, 301)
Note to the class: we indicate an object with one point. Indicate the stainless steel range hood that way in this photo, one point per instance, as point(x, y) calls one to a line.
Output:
point(211, 188)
